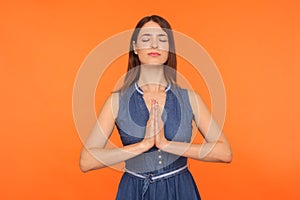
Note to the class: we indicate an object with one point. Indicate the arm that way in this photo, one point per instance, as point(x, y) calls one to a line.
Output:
point(94, 155)
point(216, 147)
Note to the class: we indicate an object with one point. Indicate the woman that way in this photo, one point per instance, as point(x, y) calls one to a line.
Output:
point(154, 118)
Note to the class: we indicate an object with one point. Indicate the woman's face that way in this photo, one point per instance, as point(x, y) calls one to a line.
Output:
point(152, 45)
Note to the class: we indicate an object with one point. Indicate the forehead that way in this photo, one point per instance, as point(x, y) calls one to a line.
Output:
point(152, 28)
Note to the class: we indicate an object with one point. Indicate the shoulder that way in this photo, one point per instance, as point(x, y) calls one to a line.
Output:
point(196, 101)
point(192, 95)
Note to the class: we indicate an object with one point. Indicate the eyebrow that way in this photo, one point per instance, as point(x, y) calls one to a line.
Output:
point(149, 34)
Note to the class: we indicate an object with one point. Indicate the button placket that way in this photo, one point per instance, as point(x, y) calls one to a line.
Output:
point(159, 157)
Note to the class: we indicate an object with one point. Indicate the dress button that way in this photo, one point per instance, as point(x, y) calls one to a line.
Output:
point(159, 150)
point(159, 156)
point(159, 162)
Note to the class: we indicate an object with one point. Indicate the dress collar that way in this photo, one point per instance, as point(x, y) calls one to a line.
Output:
point(141, 91)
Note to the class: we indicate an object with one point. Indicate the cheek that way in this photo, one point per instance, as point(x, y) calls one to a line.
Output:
point(163, 47)
point(142, 56)
point(165, 55)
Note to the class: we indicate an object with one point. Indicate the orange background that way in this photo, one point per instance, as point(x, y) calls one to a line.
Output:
point(254, 44)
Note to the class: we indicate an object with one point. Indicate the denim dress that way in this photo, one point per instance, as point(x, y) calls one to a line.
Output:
point(131, 123)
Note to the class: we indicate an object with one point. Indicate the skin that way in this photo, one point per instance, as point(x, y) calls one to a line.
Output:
point(216, 147)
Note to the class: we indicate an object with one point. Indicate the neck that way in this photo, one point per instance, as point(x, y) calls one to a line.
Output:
point(152, 78)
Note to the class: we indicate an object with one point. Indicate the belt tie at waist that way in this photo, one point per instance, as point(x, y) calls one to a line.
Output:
point(150, 178)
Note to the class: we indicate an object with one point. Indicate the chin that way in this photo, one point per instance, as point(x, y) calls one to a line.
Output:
point(154, 64)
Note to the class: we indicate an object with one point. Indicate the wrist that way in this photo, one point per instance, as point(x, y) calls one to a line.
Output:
point(146, 144)
point(163, 142)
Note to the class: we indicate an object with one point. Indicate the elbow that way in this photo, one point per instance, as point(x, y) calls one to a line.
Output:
point(84, 167)
point(90, 165)
point(84, 163)
point(227, 158)
point(222, 152)
point(227, 155)
point(87, 162)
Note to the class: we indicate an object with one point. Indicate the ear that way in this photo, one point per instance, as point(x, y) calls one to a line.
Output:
point(134, 47)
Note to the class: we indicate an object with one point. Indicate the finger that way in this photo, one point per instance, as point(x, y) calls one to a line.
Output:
point(153, 101)
point(152, 119)
point(156, 118)
point(151, 110)
point(150, 122)
point(160, 122)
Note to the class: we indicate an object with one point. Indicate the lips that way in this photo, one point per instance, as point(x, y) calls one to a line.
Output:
point(154, 54)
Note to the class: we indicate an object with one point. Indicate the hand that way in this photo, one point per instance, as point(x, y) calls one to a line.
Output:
point(160, 139)
point(149, 139)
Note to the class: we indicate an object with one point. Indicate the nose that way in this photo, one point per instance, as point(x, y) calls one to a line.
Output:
point(154, 43)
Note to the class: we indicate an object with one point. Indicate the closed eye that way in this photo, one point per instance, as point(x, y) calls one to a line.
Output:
point(163, 40)
point(145, 39)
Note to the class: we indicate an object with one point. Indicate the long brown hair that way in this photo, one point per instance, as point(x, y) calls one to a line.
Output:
point(170, 66)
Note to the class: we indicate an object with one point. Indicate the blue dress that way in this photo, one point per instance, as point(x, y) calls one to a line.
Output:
point(131, 124)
